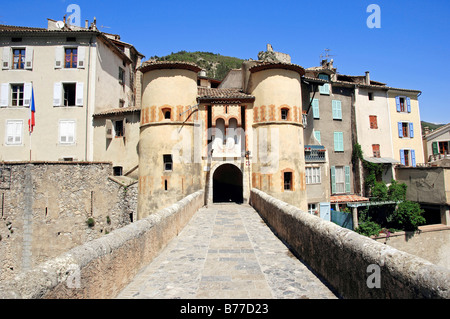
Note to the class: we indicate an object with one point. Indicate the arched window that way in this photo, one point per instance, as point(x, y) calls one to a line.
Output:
point(167, 113)
point(220, 132)
point(284, 114)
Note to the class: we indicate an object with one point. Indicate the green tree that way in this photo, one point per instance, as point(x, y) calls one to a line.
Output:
point(380, 191)
point(408, 216)
point(366, 226)
point(396, 191)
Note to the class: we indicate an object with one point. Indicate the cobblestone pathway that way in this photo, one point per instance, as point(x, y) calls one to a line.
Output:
point(226, 251)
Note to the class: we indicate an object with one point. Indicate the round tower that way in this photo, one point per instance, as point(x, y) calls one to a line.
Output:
point(167, 172)
point(278, 166)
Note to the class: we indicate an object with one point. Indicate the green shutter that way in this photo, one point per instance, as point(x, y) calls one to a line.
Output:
point(333, 179)
point(347, 179)
point(315, 107)
point(435, 148)
point(336, 109)
point(317, 136)
point(338, 141)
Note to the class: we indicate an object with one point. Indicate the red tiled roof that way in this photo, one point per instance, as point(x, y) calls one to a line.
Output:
point(348, 198)
point(223, 94)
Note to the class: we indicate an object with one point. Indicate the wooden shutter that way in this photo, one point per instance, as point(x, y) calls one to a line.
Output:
point(79, 94)
point(408, 103)
point(325, 211)
point(400, 129)
point(59, 57)
point(411, 130)
point(317, 136)
point(338, 141)
point(435, 147)
point(402, 157)
point(4, 94)
point(397, 102)
point(333, 179)
point(57, 94)
point(6, 61)
point(315, 107)
point(29, 58)
point(27, 94)
point(413, 158)
point(347, 179)
point(81, 52)
point(336, 109)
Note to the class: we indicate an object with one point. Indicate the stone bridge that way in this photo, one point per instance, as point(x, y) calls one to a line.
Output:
point(268, 249)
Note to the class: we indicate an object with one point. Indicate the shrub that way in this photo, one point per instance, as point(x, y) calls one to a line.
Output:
point(408, 216)
point(90, 222)
point(396, 191)
point(367, 227)
point(380, 191)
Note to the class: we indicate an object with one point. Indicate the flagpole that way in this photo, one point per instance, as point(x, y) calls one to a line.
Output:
point(30, 117)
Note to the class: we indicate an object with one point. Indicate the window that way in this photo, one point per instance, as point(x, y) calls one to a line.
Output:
point(336, 109)
point(315, 108)
point(14, 132)
point(118, 128)
point(166, 113)
point(370, 95)
point(70, 57)
point(69, 94)
point(121, 76)
point(405, 129)
point(340, 179)
point(408, 157)
point(403, 104)
point(66, 132)
point(17, 94)
point(284, 114)
point(168, 164)
point(117, 170)
point(18, 58)
point(287, 181)
point(313, 175)
point(338, 141)
point(373, 121)
point(312, 208)
point(376, 150)
point(325, 88)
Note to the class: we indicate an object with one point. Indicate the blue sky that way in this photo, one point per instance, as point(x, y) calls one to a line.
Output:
point(410, 50)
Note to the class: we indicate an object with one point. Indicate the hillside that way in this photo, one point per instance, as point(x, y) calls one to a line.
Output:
point(432, 126)
point(216, 65)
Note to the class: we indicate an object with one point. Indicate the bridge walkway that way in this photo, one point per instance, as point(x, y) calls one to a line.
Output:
point(226, 251)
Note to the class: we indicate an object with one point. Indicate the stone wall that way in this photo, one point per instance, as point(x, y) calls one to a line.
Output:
point(349, 262)
point(45, 208)
point(103, 267)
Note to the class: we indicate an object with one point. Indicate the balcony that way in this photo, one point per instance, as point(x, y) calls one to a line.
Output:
point(315, 154)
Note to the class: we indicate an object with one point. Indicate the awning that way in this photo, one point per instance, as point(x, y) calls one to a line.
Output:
point(348, 199)
point(382, 160)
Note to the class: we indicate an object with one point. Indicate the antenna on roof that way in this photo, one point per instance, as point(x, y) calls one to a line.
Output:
point(325, 55)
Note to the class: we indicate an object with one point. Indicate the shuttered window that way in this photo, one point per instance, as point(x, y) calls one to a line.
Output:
point(403, 104)
point(336, 109)
point(373, 121)
point(325, 88)
point(338, 141)
point(67, 131)
point(315, 108)
point(317, 136)
point(14, 130)
point(68, 94)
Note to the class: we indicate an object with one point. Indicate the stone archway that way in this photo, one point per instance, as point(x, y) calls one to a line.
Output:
point(227, 184)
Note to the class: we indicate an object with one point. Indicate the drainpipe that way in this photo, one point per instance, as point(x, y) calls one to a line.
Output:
point(87, 103)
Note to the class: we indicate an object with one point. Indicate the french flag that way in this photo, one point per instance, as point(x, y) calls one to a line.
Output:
point(31, 121)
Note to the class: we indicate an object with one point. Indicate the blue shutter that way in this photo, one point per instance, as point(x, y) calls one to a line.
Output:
point(411, 130)
point(413, 158)
point(333, 179)
point(315, 107)
point(337, 109)
point(325, 88)
point(402, 157)
point(338, 141)
point(400, 129)
point(408, 103)
point(325, 211)
point(397, 102)
point(317, 135)
point(347, 179)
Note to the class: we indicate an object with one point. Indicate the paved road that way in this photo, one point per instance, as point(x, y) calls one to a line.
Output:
point(226, 251)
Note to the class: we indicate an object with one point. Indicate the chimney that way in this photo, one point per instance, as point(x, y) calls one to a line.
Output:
point(426, 130)
point(86, 24)
point(367, 77)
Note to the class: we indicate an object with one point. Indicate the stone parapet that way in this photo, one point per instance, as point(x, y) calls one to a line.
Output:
point(354, 265)
point(102, 267)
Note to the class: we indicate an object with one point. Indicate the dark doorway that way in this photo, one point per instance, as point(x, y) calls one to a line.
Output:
point(227, 184)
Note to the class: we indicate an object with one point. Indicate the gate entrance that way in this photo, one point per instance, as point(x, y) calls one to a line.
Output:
point(227, 184)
